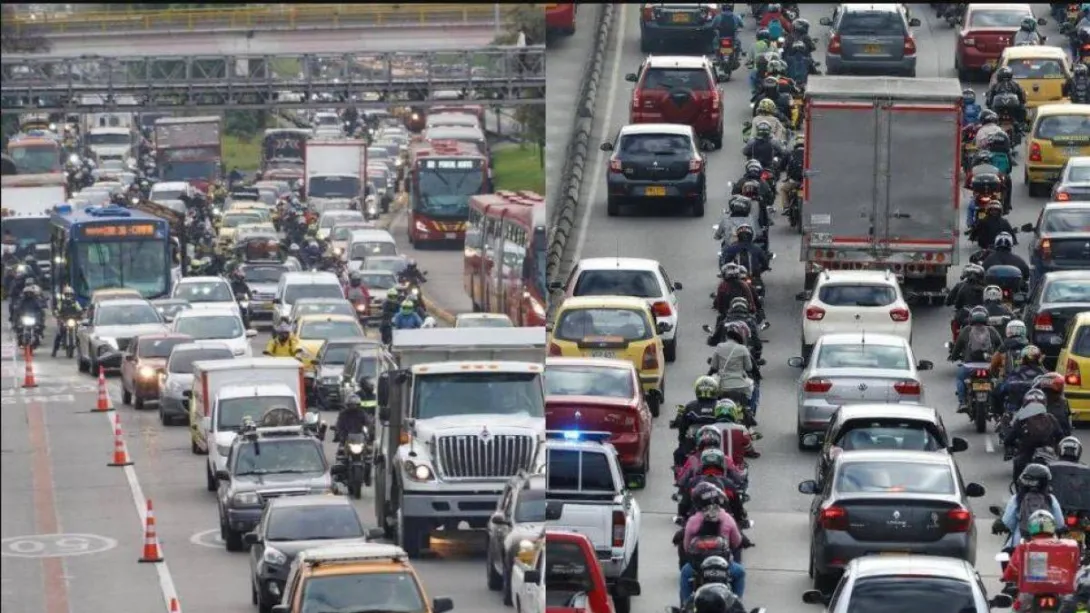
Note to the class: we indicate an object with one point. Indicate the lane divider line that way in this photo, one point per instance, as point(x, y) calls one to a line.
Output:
point(46, 519)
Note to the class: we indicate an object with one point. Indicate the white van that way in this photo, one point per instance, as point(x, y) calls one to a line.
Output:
point(367, 243)
point(296, 285)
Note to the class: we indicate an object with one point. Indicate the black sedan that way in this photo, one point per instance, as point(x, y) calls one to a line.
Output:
point(655, 162)
point(888, 502)
point(1054, 301)
point(1061, 238)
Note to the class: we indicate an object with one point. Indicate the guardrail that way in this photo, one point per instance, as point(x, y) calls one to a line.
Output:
point(258, 17)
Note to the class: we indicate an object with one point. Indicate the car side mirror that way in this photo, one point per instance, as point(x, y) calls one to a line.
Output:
point(606, 146)
point(626, 587)
point(251, 333)
point(223, 475)
point(631, 77)
point(374, 534)
point(995, 510)
point(811, 440)
point(957, 445)
point(498, 519)
point(1001, 601)
point(1027, 227)
point(914, 23)
point(975, 490)
point(826, 21)
point(815, 597)
point(532, 577)
point(925, 365)
point(803, 296)
point(796, 362)
point(442, 605)
point(677, 286)
point(809, 487)
point(251, 538)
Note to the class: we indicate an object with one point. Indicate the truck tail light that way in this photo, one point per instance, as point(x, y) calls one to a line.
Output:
point(554, 350)
point(1072, 376)
point(1043, 322)
point(834, 518)
point(662, 309)
point(615, 167)
point(899, 314)
point(959, 520)
point(1046, 249)
point(814, 313)
point(817, 386)
point(696, 165)
point(910, 46)
point(834, 44)
point(650, 359)
point(619, 522)
point(907, 388)
point(1034, 152)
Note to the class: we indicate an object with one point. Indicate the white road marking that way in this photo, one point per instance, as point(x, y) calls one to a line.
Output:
point(595, 176)
point(989, 446)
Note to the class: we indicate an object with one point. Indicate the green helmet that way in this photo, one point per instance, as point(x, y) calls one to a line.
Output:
point(391, 293)
point(1040, 522)
point(713, 457)
point(407, 306)
point(728, 409)
point(706, 388)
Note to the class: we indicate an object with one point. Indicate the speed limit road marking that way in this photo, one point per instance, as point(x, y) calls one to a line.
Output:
point(54, 545)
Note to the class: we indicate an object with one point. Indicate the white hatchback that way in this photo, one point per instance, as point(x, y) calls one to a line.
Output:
point(216, 327)
point(636, 277)
point(846, 301)
point(205, 292)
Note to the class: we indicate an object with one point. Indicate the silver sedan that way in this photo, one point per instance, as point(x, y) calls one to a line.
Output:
point(854, 368)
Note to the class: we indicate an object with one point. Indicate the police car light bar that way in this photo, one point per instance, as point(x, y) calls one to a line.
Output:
point(578, 435)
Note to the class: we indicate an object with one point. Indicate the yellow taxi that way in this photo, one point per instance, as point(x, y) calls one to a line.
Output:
point(1059, 132)
point(1074, 363)
point(614, 327)
point(312, 331)
point(231, 220)
point(357, 577)
point(1040, 70)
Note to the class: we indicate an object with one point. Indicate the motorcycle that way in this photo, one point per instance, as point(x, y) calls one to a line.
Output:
point(1009, 280)
point(69, 340)
point(727, 60)
point(29, 334)
point(355, 453)
point(979, 387)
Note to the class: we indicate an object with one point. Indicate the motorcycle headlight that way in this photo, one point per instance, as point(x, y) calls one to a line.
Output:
point(146, 372)
point(71, 323)
point(247, 499)
point(273, 557)
point(416, 292)
point(29, 321)
point(355, 448)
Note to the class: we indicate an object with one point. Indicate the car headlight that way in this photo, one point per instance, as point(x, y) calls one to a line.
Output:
point(355, 448)
point(223, 450)
point(29, 321)
point(247, 499)
point(146, 372)
point(419, 472)
point(273, 557)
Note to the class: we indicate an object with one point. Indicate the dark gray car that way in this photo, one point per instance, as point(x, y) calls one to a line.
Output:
point(873, 37)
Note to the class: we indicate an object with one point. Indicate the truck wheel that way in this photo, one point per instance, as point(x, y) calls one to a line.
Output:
point(126, 395)
point(508, 597)
point(210, 478)
point(413, 535)
point(622, 605)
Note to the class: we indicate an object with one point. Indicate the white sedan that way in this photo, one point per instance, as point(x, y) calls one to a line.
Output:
point(216, 327)
point(847, 301)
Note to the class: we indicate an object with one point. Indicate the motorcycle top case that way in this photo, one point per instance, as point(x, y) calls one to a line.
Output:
point(1049, 567)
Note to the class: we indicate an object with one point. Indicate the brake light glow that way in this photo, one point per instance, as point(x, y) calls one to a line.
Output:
point(814, 313)
point(817, 386)
point(834, 518)
point(1034, 152)
point(899, 314)
point(910, 46)
point(982, 372)
point(834, 44)
point(907, 388)
point(696, 165)
point(1062, 196)
point(1046, 249)
point(1072, 521)
point(650, 359)
point(554, 350)
point(619, 522)
point(1046, 603)
point(615, 166)
point(726, 43)
point(1086, 47)
point(662, 309)
point(1073, 376)
point(1043, 322)
point(716, 101)
point(959, 520)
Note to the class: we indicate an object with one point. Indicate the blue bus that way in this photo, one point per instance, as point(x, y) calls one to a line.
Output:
point(110, 247)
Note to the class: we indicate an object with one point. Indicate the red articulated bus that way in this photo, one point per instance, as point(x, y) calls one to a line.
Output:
point(560, 18)
point(444, 176)
point(504, 268)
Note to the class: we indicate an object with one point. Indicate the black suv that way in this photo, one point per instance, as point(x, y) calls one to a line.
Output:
point(655, 162)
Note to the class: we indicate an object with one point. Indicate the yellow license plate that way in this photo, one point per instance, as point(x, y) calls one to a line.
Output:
point(893, 553)
point(982, 387)
point(679, 18)
point(654, 190)
point(872, 49)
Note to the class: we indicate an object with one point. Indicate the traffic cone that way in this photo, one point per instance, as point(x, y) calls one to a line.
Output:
point(28, 373)
point(151, 541)
point(121, 451)
point(103, 405)
point(174, 606)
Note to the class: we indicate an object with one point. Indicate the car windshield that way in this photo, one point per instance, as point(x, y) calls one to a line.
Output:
point(295, 291)
point(894, 477)
point(318, 522)
point(362, 251)
point(483, 322)
point(1081, 346)
point(333, 187)
point(984, 19)
point(343, 232)
point(385, 592)
point(376, 280)
point(857, 295)
point(325, 330)
point(1079, 174)
point(655, 144)
point(455, 394)
point(1038, 68)
point(530, 507)
point(206, 327)
point(173, 308)
point(909, 594)
point(204, 291)
point(588, 381)
point(1067, 291)
point(1065, 127)
point(638, 283)
point(695, 79)
point(336, 355)
point(1066, 220)
point(627, 324)
point(232, 411)
point(284, 456)
point(333, 218)
point(263, 274)
point(182, 363)
point(127, 315)
point(340, 307)
point(567, 572)
point(158, 347)
point(887, 434)
point(573, 470)
point(165, 194)
point(870, 23)
point(853, 355)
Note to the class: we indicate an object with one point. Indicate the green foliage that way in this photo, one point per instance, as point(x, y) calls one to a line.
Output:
point(532, 118)
point(518, 168)
point(244, 125)
point(529, 16)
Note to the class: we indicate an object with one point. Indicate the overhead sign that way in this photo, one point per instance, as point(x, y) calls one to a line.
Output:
point(117, 230)
point(451, 164)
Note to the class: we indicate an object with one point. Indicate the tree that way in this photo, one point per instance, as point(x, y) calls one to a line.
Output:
point(532, 119)
point(528, 16)
point(244, 125)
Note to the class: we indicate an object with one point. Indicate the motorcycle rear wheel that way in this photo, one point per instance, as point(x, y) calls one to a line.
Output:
point(980, 418)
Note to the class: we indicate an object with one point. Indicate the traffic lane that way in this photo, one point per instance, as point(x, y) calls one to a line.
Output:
point(444, 266)
point(565, 59)
point(277, 43)
point(777, 473)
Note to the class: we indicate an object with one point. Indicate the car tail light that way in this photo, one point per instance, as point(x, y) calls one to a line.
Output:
point(648, 13)
point(650, 358)
point(1086, 47)
point(1034, 152)
point(1072, 376)
point(834, 518)
point(554, 350)
point(615, 166)
point(619, 522)
point(1062, 196)
point(1046, 249)
point(834, 44)
point(716, 101)
point(817, 386)
point(907, 388)
point(696, 165)
point(1072, 521)
point(814, 313)
point(910, 46)
point(1043, 322)
point(969, 42)
point(959, 520)
point(899, 314)
point(662, 309)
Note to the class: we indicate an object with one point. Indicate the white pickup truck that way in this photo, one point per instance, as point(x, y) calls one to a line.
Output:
point(587, 495)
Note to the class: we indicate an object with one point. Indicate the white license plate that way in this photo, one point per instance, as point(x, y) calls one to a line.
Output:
point(451, 235)
point(603, 354)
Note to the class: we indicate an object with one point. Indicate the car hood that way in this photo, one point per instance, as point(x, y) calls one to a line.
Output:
point(262, 288)
point(129, 331)
point(285, 480)
point(330, 371)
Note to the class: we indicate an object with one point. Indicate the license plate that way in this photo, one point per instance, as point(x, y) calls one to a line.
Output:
point(726, 51)
point(654, 191)
point(680, 18)
point(451, 235)
point(982, 387)
point(1073, 151)
point(872, 49)
point(609, 355)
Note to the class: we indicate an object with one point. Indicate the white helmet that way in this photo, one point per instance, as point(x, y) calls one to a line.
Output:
point(1015, 328)
point(992, 293)
point(429, 322)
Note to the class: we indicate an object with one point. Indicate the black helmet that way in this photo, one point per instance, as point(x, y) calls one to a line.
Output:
point(798, 46)
point(979, 315)
point(751, 189)
point(713, 598)
point(1004, 73)
point(744, 233)
point(801, 27)
point(968, 95)
point(1004, 241)
point(355, 278)
point(764, 131)
point(739, 305)
point(764, 34)
point(771, 83)
point(740, 206)
point(1035, 477)
point(988, 116)
point(986, 182)
point(1081, 70)
point(714, 569)
point(753, 169)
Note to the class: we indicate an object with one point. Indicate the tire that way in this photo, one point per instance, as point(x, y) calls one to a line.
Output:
point(413, 536)
point(163, 419)
point(670, 350)
point(717, 140)
point(138, 403)
point(645, 45)
point(92, 366)
point(81, 363)
point(698, 208)
point(807, 351)
point(613, 209)
point(69, 350)
point(980, 418)
point(494, 579)
point(654, 405)
point(126, 395)
point(210, 480)
point(508, 597)
point(232, 540)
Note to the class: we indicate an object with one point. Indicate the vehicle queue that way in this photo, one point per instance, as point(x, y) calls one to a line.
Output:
point(888, 480)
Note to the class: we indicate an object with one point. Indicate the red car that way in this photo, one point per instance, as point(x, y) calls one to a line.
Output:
point(599, 395)
point(142, 364)
point(987, 30)
point(573, 576)
point(679, 89)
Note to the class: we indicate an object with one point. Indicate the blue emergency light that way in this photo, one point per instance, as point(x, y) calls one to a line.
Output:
point(578, 435)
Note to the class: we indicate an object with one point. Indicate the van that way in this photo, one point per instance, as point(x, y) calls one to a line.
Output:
point(366, 243)
point(296, 285)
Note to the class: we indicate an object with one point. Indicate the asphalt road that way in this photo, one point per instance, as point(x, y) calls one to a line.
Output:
point(777, 566)
point(565, 59)
point(443, 266)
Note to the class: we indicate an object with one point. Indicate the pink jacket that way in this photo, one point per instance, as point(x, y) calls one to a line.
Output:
point(728, 529)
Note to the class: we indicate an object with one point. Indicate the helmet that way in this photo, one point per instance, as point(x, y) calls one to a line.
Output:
point(714, 569)
point(239, 274)
point(770, 83)
point(974, 272)
point(407, 306)
point(1050, 382)
point(983, 156)
point(705, 388)
point(352, 401)
point(992, 206)
point(731, 271)
point(1081, 70)
point(753, 167)
point(713, 458)
point(355, 278)
point(772, 8)
point(283, 330)
point(764, 131)
point(1004, 73)
point(1069, 449)
point(68, 292)
point(968, 95)
point(798, 46)
point(763, 34)
point(979, 315)
point(1031, 354)
point(391, 293)
point(1034, 396)
point(708, 437)
point(1016, 328)
point(293, 248)
point(739, 329)
point(800, 140)
point(1004, 241)
point(750, 189)
point(993, 293)
point(1035, 477)
point(1029, 24)
point(744, 232)
point(1041, 522)
point(739, 305)
point(713, 598)
point(777, 67)
point(766, 107)
point(800, 27)
point(741, 206)
point(988, 116)
point(707, 494)
point(729, 409)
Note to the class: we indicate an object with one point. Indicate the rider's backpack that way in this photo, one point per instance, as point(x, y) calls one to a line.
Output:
point(1037, 430)
point(979, 344)
point(1031, 501)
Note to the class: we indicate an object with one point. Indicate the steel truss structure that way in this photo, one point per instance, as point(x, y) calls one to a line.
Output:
point(490, 76)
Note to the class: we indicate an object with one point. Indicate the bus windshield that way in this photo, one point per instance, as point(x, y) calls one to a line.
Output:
point(186, 171)
point(35, 159)
point(445, 192)
point(137, 264)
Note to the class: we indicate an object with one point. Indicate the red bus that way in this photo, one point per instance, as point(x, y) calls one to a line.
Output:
point(504, 270)
point(444, 176)
point(560, 18)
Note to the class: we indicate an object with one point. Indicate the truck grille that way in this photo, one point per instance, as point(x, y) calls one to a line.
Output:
point(268, 495)
point(468, 456)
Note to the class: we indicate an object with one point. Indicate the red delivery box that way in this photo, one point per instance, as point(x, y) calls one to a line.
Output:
point(1049, 567)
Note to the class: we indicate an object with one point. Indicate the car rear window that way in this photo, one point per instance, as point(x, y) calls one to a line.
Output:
point(1061, 126)
point(899, 477)
point(567, 572)
point(1066, 220)
point(578, 471)
point(588, 381)
point(861, 435)
point(182, 363)
point(996, 19)
point(898, 594)
point(638, 283)
point(1074, 290)
point(577, 324)
point(696, 79)
point(892, 357)
point(1081, 346)
point(655, 144)
point(313, 523)
point(857, 295)
point(1037, 69)
point(864, 23)
point(1079, 174)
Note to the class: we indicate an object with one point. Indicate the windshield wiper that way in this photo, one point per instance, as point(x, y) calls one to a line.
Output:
point(259, 471)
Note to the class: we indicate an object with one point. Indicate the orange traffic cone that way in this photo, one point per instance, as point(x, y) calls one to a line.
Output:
point(151, 541)
point(103, 404)
point(28, 374)
point(121, 451)
point(174, 606)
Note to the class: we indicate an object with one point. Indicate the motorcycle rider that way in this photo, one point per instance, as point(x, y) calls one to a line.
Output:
point(282, 344)
point(67, 308)
point(763, 148)
point(1077, 88)
point(1010, 391)
point(989, 125)
point(987, 188)
point(241, 291)
point(692, 464)
point(28, 304)
point(752, 176)
point(407, 318)
point(737, 370)
point(390, 308)
point(993, 304)
point(986, 232)
point(753, 257)
point(775, 21)
point(411, 274)
point(1040, 526)
point(739, 311)
point(1027, 33)
point(716, 598)
point(1031, 428)
point(1004, 360)
point(975, 343)
point(771, 91)
point(712, 520)
point(800, 33)
point(1002, 255)
point(970, 291)
point(695, 411)
point(763, 195)
point(795, 167)
point(352, 419)
point(760, 46)
point(712, 467)
point(1033, 493)
point(970, 110)
point(726, 25)
point(357, 292)
point(734, 286)
point(1005, 84)
point(1052, 384)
